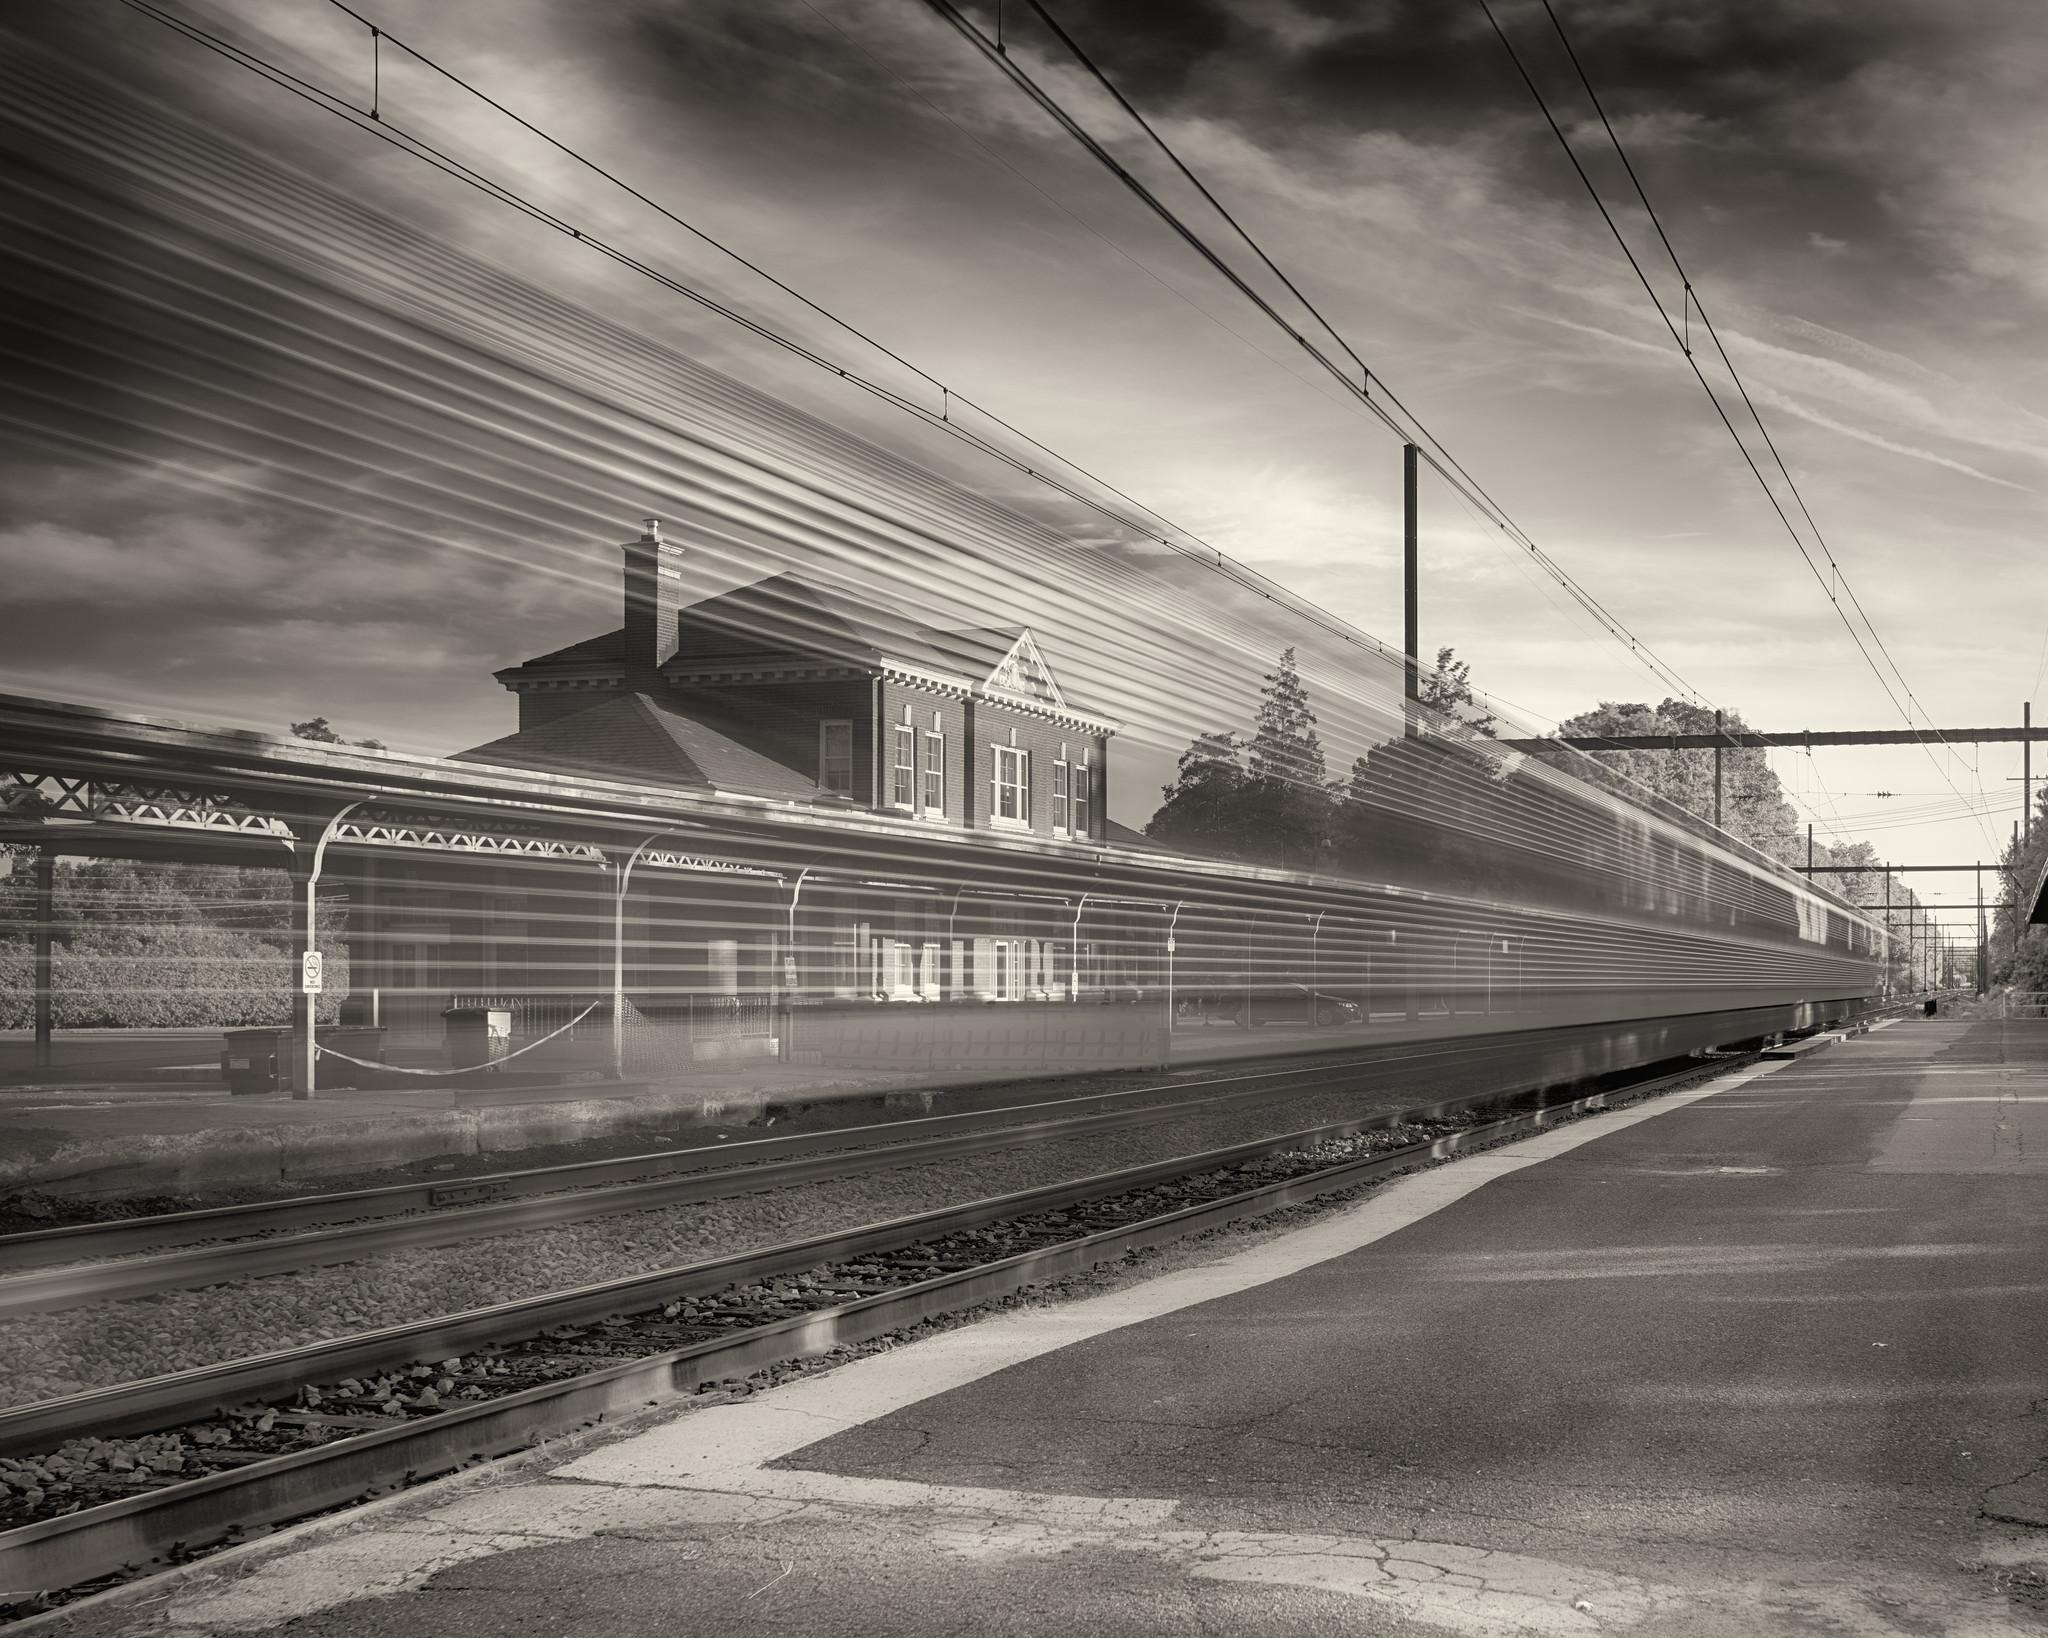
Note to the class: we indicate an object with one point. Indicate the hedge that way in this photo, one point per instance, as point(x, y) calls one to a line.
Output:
point(165, 977)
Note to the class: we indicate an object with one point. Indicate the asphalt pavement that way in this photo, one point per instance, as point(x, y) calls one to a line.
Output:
point(1767, 1359)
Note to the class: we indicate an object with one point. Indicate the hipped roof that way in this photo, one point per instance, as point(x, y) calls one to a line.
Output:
point(630, 736)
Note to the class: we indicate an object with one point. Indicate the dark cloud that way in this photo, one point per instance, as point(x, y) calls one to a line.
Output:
point(1731, 111)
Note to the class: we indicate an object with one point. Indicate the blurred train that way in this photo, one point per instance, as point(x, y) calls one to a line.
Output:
point(1494, 894)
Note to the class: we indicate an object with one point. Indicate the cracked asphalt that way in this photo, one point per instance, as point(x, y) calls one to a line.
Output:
point(1773, 1361)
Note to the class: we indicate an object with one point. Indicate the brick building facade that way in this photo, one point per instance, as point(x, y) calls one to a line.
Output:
point(793, 689)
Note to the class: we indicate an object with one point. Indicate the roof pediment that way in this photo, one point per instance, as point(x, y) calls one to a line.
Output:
point(1022, 674)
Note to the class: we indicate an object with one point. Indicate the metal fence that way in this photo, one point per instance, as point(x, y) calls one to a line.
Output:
point(536, 1015)
point(662, 1036)
point(2025, 1004)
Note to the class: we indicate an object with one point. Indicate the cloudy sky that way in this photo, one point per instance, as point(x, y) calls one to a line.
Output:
point(303, 425)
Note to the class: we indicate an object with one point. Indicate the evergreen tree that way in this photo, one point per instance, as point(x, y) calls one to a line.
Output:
point(1285, 747)
point(1449, 686)
point(1265, 800)
point(1286, 806)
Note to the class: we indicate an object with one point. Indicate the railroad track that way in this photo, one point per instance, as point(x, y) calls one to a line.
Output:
point(47, 1270)
point(254, 1442)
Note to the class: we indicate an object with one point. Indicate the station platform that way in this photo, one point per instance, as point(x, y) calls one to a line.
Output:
point(1759, 1358)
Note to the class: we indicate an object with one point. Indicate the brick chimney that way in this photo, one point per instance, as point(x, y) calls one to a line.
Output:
point(654, 594)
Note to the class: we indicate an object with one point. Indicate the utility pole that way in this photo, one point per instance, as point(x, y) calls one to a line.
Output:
point(1809, 850)
point(1717, 772)
point(2026, 773)
point(1983, 939)
point(1411, 625)
point(1889, 935)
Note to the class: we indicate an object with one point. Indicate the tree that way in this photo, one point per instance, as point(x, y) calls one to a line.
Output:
point(1448, 686)
point(1266, 799)
point(321, 732)
point(1200, 810)
point(147, 945)
point(1285, 747)
point(1753, 805)
point(2019, 952)
point(1286, 806)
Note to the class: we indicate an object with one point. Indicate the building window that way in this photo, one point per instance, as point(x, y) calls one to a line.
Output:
point(1059, 794)
point(1010, 802)
point(1079, 779)
point(903, 767)
point(835, 758)
point(935, 771)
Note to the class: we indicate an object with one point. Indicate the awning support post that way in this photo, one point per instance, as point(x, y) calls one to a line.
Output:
point(305, 939)
point(45, 927)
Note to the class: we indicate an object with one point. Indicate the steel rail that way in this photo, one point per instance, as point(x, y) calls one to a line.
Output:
point(158, 1233)
point(52, 1289)
point(133, 1532)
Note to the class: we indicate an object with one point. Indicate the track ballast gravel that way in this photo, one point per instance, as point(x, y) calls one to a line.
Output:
point(48, 1356)
point(86, 1471)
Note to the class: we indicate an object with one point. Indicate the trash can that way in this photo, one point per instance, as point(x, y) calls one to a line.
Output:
point(363, 1041)
point(477, 1035)
point(256, 1060)
point(1928, 1010)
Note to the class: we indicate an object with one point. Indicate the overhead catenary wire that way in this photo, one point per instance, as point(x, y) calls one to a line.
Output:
point(1428, 446)
point(1835, 577)
point(416, 149)
point(1209, 556)
point(1474, 496)
point(1693, 299)
point(1149, 525)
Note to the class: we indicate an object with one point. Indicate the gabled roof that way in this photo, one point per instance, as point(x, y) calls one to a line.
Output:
point(630, 736)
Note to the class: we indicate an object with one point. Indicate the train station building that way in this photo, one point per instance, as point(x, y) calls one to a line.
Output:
point(790, 689)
